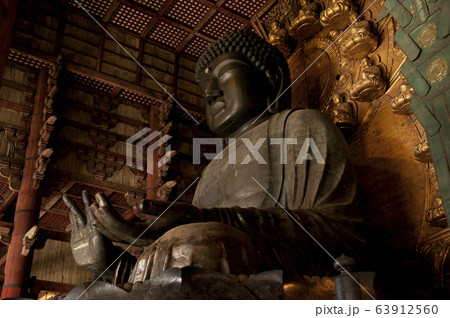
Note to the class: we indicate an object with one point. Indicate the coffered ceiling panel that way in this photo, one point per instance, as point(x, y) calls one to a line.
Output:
point(167, 34)
point(130, 19)
point(221, 24)
point(95, 7)
point(188, 12)
point(246, 8)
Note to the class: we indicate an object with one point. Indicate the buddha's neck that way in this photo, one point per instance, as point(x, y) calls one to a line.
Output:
point(255, 121)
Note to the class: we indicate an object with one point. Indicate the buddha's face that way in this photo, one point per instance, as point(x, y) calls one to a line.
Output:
point(235, 92)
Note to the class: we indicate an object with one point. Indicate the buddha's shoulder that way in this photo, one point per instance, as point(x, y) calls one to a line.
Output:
point(305, 116)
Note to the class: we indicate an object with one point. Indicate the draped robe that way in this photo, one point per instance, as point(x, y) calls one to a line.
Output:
point(318, 222)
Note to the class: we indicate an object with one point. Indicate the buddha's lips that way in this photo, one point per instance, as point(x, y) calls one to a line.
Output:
point(217, 107)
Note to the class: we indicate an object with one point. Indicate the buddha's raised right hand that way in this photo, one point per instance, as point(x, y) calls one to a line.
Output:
point(88, 246)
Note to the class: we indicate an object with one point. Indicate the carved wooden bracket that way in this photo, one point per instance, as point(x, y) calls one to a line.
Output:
point(133, 198)
point(103, 121)
point(28, 240)
point(44, 153)
point(106, 103)
point(140, 175)
point(5, 235)
point(16, 137)
point(164, 112)
point(41, 165)
point(52, 87)
point(25, 115)
point(102, 139)
point(164, 191)
point(46, 132)
point(100, 164)
point(13, 172)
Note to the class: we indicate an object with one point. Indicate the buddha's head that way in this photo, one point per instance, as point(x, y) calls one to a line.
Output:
point(241, 75)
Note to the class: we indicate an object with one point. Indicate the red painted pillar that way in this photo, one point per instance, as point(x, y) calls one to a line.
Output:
point(153, 182)
point(17, 270)
point(8, 10)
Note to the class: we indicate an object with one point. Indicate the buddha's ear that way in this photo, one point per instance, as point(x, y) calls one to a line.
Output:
point(275, 78)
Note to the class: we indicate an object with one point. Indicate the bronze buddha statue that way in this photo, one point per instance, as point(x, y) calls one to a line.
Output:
point(236, 226)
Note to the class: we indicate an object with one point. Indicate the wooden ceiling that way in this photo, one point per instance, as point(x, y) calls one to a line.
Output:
point(185, 26)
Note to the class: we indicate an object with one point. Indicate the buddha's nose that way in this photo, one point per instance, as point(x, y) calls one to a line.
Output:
point(213, 92)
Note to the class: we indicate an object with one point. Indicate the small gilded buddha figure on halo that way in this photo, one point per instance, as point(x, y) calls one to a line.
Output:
point(278, 37)
point(306, 24)
point(344, 115)
point(400, 103)
point(371, 85)
point(338, 15)
point(358, 40)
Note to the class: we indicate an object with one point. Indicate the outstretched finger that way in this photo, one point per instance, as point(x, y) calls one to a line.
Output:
point(87, 207)
point(77, 219)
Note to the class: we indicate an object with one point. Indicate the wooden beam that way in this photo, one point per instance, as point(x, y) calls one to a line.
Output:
point(56, 198)
point(12, 106)
point(44, 232)
point(52, 234)
point(8, 201)
point(94, 182)
point(111, 11)
point(8, 9)
point(39, 285)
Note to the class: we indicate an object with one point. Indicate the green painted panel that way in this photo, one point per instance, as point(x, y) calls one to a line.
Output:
point(426, 35)
point(400, 14)
point(425, 116)
point(409, 47)
point(435, 70)
point(444, 20)
point(420, 6)
point(415, 79)
point(440, 106)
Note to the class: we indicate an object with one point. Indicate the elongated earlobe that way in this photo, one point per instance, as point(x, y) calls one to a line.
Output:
point(276, 83)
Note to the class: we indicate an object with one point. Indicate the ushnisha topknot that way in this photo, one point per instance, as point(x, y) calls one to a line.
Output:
point(259, 52)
